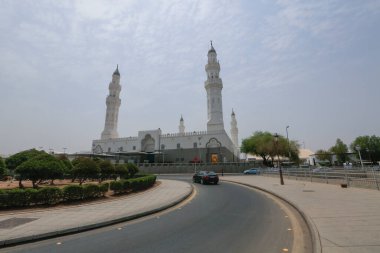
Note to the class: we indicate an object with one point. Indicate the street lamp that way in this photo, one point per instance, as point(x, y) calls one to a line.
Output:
point(287, 137)
point(64, 150)
point(360, 156)
point(278, 157)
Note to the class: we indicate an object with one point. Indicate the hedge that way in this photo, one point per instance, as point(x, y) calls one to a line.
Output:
point(50, 195)
point(133, 184)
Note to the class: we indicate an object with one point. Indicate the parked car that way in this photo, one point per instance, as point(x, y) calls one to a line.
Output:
point(206, 177)
point(252, 171)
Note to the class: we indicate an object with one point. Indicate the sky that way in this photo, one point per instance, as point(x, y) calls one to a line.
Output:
point(311, 65)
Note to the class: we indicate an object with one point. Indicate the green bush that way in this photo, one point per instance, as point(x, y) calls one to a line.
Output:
point(104, 188)
point(116, 186)
point(73, 192)
point(91, 191)
point(134, 184)
point(49, 195)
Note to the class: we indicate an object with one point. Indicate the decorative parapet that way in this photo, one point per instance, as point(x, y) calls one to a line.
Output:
point(195, 133)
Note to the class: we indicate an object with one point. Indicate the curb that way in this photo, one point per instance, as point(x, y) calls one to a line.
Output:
point(49, 235)
point(316, 239)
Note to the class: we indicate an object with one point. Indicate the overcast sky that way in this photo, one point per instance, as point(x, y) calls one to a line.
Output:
point(312, 65)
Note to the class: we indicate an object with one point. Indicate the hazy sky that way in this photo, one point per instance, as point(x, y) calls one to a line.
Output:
point(312, 65)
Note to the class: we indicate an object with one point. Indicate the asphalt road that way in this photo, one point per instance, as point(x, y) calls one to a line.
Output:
point(220, 218)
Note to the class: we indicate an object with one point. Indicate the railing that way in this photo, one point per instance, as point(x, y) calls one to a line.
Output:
point(356, 177)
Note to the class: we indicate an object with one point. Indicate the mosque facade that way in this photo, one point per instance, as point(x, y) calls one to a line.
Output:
point(213, 145)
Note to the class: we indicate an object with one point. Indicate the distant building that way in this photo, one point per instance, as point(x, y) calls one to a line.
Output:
point(210, 146)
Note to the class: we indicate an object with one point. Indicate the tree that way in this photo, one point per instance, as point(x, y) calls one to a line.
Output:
point(2, 167)
point(263, 144)
point(323, 155)
point(132, 169)
point(121, 170)
point(17, 159)
point(369, 147)
point(106, 169)
point(85, 168)
point(41, 167)
point(66, 162)
point(340, 150)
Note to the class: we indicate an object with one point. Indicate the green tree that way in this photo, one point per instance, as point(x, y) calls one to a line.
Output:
point(132, 169)
point(17, 159)
point(85, 168)
point(121, 170)
point(340, 150)
point(369, 147)
point(263, 144)
point(323, 155)
point(41, 167)
point(107, 169)
point(2, 167)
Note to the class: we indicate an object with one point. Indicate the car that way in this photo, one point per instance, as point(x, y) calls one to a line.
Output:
point(206, 177)
point(252, 171)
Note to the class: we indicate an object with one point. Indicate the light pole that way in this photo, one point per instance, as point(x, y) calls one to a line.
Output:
point(64, 150)
point(287, 137)
point(360, 156)
point(278, 157)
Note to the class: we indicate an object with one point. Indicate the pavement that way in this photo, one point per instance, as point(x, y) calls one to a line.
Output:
point(341, 219)
point(23, 226)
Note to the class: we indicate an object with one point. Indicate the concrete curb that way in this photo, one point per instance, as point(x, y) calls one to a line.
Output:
point(49, 235)
point(316, 239)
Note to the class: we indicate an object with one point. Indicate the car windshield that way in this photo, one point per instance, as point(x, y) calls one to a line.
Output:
point(211, 173)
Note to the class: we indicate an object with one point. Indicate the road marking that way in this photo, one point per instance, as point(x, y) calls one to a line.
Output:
point(285, 250)
point(289, 229)
point(59, 243)
point(119, 228)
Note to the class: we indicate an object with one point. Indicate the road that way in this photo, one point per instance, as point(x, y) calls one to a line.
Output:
point(219, 218)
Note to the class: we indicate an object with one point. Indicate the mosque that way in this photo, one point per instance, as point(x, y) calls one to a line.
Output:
point(153, 146)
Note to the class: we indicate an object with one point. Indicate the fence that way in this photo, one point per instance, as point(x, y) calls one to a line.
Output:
point(367, 177)
point(166, 168)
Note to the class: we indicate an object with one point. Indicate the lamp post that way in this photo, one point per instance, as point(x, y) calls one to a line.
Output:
point(360, 156)
point(64, 150)
point(287, 137)
point(278, 157)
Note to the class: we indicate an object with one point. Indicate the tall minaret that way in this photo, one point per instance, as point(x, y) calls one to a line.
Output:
point(214, 87)
point(113, 104)
point(234, 130)
point(181, 126)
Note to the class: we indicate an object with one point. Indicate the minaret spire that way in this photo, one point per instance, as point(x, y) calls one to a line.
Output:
point(181, 126)
point(214, 86)
point(113, 103)
point(234, 130)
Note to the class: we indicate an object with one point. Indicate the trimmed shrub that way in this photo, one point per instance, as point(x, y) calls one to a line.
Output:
point(73, 192)
point(104, 188)
point(134, 184)
point(116, 186)
point(49, 195)
point(91, 191)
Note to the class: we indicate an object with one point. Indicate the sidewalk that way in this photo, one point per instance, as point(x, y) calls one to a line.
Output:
point(24, 226)
point(345, 220)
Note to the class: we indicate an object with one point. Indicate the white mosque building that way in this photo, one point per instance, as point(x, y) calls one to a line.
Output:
point(153, 146)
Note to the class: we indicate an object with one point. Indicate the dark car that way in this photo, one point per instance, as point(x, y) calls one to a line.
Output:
point(206, 177)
